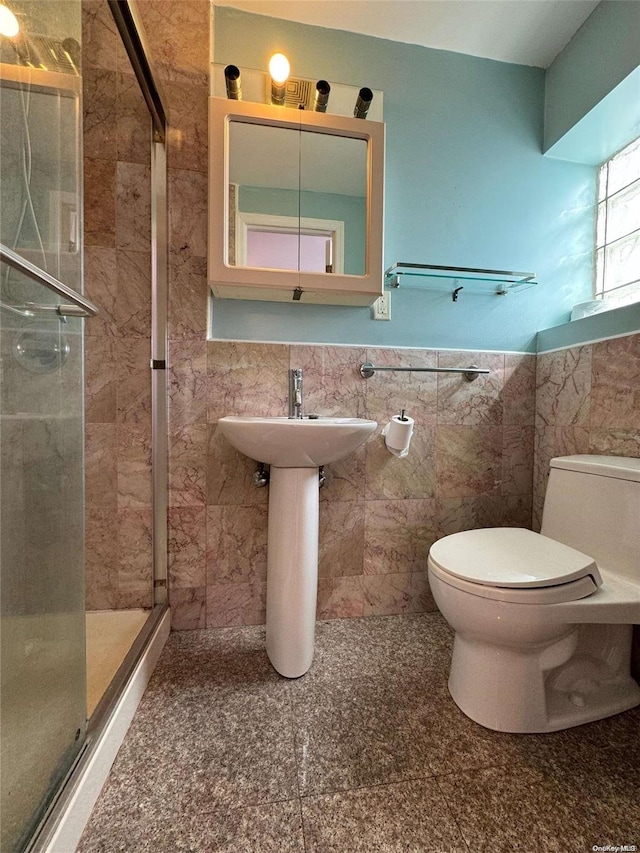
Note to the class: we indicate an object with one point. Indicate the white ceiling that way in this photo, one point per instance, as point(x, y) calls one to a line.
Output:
point(526, 32)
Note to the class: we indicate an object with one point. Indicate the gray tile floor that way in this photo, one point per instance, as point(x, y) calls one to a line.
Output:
point(365, 753)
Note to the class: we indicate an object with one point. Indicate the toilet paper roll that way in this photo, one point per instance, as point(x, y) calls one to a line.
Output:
point(397, 435)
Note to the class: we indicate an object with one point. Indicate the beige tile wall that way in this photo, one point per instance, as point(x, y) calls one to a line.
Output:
point(117, 277)
point(470, 464)
point(117, 137)
point(587, 401)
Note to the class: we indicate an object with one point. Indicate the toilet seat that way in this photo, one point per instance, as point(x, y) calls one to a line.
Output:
point(514, 564)
point(564, 592)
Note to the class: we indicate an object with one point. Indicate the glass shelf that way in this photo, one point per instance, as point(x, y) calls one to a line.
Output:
point(455, 279)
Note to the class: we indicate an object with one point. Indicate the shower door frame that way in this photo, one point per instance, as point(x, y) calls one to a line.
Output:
point(128, 23)
point(131, 32)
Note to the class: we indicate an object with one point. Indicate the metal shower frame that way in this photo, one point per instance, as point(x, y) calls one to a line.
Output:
point(127, 21)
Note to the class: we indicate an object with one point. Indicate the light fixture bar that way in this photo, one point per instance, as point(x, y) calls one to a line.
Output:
point(321, 98)
point(233, 82)
point(363, 102)
point(279, 70)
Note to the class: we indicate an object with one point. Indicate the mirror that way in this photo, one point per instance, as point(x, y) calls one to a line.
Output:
point(296, 205)
point(297, 200)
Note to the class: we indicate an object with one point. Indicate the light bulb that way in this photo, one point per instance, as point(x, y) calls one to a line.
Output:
point(279, 68)
point(9, 25)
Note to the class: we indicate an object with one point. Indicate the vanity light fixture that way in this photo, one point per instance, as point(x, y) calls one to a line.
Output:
point(279, 70)
point(321, 98)
point(233, 82)
point(9, 25)
point(363, 102)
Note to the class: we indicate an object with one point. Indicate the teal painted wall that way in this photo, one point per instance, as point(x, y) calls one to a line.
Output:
point(607, 128)
point(608, 324)
point(466, 185)
point(603, 53)
point(352, 210)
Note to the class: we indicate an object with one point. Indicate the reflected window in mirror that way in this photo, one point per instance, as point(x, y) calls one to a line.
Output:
point(287, 250)
point(268, 241)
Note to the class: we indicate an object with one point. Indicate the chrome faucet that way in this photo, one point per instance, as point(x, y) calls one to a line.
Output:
point(295, 392)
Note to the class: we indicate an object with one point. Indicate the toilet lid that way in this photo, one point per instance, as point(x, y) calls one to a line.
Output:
point(511, 557)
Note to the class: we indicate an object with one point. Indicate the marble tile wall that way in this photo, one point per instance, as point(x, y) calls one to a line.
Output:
point(117, 137)
point(587, 401)
point(117, 274)
point(470, 464)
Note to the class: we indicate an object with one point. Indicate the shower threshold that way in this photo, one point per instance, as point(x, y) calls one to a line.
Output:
point(110, 635)
point(62, 826)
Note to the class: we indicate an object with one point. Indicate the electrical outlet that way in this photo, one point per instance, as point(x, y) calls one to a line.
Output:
point(381, 308)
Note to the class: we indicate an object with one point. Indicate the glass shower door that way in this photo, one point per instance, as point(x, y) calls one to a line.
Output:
point(42, 614)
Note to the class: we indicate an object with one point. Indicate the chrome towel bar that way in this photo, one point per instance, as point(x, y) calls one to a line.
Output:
point(470, 373)
point(83, 307)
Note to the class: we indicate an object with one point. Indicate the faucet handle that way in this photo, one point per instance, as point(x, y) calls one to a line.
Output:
point(295, 392)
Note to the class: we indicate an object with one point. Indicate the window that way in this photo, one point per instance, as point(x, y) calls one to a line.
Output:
point(617, 266)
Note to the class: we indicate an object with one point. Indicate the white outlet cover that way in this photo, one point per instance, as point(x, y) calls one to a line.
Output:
point(381, 308)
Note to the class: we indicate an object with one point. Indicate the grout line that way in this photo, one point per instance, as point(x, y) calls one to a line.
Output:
point(453, 816)
point(293, 736)
point(304, 835)
point(227, 809)
point(475, 769)
point(430, 775)
point(295, 762)
point(332, 792)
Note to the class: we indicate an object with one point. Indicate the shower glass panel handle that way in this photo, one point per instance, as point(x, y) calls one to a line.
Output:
point(80, 307)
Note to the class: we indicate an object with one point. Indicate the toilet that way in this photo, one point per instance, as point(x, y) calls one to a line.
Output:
point(543, 621)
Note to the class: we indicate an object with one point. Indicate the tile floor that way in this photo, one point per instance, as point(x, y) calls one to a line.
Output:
point(367, 753)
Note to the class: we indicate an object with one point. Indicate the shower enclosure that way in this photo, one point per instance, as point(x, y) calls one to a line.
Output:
point(50, 571)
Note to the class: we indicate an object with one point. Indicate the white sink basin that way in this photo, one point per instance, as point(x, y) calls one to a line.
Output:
point(296, 442)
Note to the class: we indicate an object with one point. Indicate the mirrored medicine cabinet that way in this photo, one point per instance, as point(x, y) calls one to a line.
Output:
point(295, 205)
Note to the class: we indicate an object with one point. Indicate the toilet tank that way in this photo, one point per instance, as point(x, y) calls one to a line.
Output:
point(593, 504)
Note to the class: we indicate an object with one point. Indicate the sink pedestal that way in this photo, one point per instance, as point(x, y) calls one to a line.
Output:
point(295, 448)
point(292, 568)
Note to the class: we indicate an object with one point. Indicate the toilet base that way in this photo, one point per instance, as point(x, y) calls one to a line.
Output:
point(573, 681)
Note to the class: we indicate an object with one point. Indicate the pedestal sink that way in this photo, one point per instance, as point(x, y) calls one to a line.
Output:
point(295, 448)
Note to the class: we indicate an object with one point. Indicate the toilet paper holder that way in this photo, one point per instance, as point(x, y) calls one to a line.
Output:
point(397, 435)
